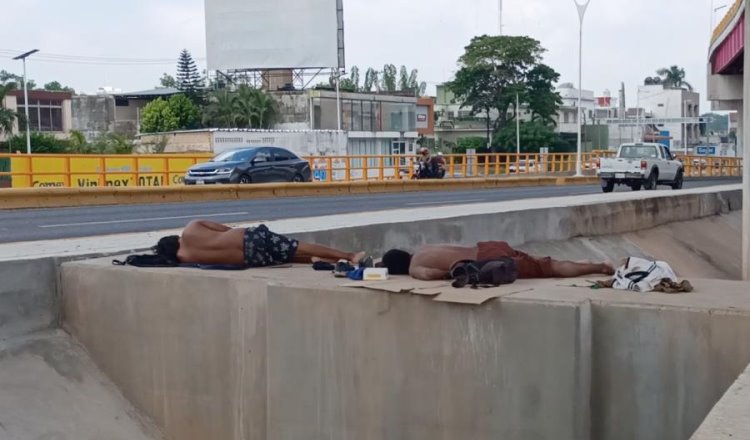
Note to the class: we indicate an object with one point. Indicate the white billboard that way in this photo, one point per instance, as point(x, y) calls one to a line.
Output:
point(274, 34)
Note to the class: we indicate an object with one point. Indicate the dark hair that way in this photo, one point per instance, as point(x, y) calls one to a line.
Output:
point(167, 247)
point(397, 262)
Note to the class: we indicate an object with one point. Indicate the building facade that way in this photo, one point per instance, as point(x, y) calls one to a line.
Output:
point(376, 124)
point(49, 112)
point(660, 102)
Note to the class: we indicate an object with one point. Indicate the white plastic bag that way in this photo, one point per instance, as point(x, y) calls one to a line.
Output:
point(639, 275)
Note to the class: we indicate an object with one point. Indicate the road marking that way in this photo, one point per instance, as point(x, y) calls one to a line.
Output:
point(139, 220)
point(448, 202)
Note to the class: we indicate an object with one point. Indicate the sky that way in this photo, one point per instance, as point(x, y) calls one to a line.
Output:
point(624, 40)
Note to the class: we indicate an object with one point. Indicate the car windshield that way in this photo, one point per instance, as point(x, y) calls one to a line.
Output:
point(235, 156)
point(637, 152)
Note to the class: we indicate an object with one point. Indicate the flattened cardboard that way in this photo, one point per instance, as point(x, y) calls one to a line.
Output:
point(467, 295)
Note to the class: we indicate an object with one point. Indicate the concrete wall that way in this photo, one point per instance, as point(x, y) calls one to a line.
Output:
point(28, 298)
point(93, 115)
point(370, 365)
point(189, 351)
point(293, 111)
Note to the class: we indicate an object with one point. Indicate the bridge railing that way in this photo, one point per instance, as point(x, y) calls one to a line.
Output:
point(156, 170)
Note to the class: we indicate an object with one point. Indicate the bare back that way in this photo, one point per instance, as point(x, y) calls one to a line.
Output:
point(211, 243)
point(435, 262)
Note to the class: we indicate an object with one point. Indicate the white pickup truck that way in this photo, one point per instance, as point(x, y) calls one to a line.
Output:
point(641, 165)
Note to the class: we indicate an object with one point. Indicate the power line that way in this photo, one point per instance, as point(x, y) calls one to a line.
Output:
point(94, 60)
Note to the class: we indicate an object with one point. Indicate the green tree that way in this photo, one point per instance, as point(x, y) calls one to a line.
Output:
point(188, 114)
point(469, 143)
point(55, 86)
point(7, 117)
point(220, 111)
point(674, 77)
point(167, 81)
point(496, 69)
point(534, 135)
point(159, 117)
point(188, 79)
point(7, 77)
point(371, 80)
point(253, 108)
point(388, 82)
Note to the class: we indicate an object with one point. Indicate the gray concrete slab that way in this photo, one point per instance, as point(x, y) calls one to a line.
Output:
point(185, 347)
point(729, 419)
point(50, 389)
point(28, 300)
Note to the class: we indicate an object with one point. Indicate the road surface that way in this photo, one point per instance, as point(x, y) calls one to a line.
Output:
point(48, 224)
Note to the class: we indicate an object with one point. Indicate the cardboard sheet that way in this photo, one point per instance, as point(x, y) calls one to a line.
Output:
point(442, 291)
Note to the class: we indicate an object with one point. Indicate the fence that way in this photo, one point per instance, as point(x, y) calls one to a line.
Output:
point(166, 170)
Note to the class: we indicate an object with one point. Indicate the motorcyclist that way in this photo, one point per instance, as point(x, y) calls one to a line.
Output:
point(425, 165)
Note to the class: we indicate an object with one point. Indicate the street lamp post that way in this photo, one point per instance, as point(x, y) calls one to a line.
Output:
point(23, 57)
point(581, 12)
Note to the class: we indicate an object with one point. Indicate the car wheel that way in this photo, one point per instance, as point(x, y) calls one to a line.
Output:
point(245, 179)
point(678, 180)
point(652, 181)
point(608, 186)
point(636, 186)
point(298, 178)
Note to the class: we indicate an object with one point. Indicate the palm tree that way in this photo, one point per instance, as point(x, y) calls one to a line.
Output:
point(220, 111)
point(7, 117)
point(674, 77)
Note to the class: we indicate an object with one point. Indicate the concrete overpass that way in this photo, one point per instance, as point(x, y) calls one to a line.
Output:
point(90, 349)
point(728, 89)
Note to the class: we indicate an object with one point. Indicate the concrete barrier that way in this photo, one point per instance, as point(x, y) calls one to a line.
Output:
point(213, 356)
point(62, 197)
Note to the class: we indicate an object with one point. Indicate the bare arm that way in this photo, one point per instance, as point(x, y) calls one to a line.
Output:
point(427, 273)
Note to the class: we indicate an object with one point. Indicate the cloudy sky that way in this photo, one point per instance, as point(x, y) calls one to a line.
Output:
point(624, 40)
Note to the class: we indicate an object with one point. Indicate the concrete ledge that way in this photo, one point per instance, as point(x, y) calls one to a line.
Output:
point(210, 354)
point(62, 197)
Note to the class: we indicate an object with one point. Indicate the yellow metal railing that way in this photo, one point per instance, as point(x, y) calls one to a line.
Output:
point(156, 170)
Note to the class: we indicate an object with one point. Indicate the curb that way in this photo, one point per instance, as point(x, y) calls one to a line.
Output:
point(71, 197)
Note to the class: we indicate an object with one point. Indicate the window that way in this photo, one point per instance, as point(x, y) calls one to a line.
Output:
point(346, 115)
point(281, 155)
point(367, 116)
point(44, 115)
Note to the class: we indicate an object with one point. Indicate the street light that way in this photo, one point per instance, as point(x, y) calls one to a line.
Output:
point(581, 12)
point(23, 57)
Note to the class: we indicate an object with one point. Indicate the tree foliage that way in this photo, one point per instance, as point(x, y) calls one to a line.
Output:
point(55, 86)
point(674, 77)
point(167, 81)
point(496, 69)
point(189, 80)
point(7, 117)
point(188, 114)
point(159, 117)
point(246, 108)
point(534, 134)
point(389, 80)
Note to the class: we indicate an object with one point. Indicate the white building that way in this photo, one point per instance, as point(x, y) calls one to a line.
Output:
point(661, 102)
point(567, 120)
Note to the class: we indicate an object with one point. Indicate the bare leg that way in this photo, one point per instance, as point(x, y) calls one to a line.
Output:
point(569, 269)
point(307, 251)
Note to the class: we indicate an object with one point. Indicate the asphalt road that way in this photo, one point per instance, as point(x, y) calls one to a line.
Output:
point(48, 224)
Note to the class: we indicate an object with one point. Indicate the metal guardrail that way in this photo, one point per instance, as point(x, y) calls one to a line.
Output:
point(157, 170)
point(80, 171)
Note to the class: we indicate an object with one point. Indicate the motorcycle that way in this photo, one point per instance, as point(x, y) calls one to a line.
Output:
point(435, 170)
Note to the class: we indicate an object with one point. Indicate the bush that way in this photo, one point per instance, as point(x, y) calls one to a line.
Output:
point(41, 143)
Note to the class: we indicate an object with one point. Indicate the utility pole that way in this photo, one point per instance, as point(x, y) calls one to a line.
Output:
point(23, 57)
point(518, 128)
point(581, 12)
